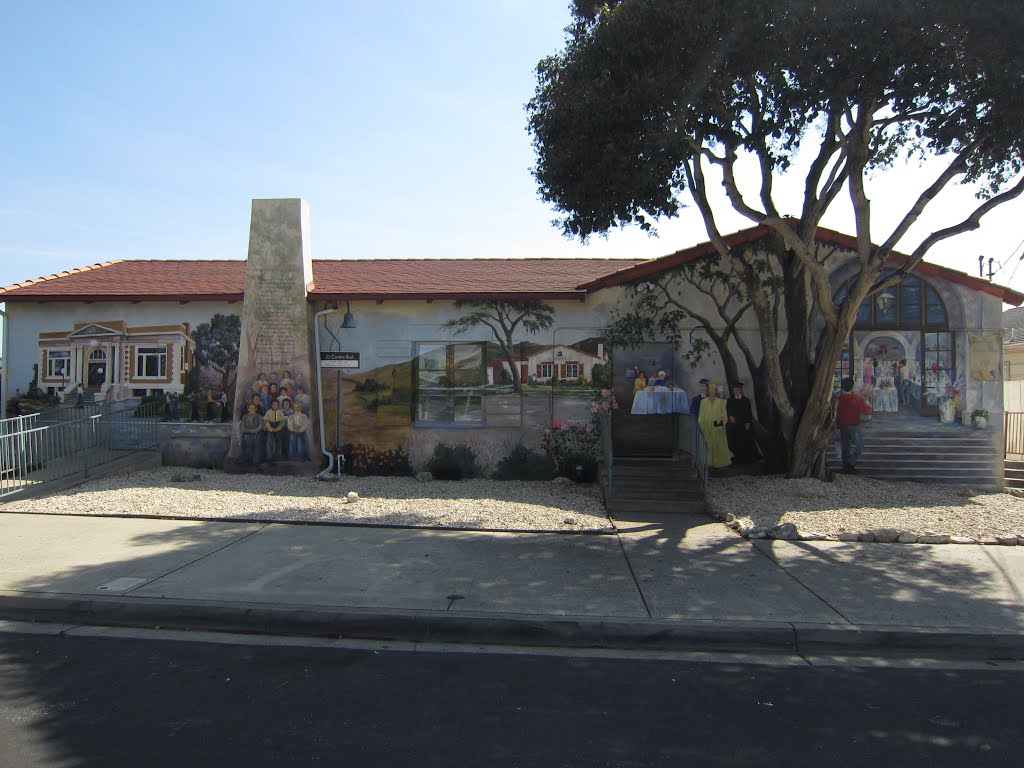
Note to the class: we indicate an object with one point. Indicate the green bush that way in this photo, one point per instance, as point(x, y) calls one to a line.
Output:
point(524, 464)
point(453, 462)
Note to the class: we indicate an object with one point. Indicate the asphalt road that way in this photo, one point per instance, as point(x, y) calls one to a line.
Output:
point(131, 701)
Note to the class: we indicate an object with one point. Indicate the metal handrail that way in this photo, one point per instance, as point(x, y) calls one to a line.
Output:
point(70, 443)
point(1013, 431)
point(692, 440)
point(607, 453)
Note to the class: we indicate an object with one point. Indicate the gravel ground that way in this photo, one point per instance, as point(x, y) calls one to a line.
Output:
point(477, 504)
point(848, 504)
point(856, 504)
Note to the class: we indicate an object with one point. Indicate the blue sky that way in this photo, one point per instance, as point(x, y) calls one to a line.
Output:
point(143, 130)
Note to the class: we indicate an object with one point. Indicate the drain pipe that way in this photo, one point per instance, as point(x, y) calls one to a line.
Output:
point(5, 356)
point(327, 473)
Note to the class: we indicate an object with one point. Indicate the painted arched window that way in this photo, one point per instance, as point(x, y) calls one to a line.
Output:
point(910, 304)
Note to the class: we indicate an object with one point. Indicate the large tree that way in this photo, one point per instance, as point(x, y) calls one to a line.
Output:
point(503, 318)
point(652, 101)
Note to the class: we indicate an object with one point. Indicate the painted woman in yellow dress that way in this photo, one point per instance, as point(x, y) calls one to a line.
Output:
point(712, 421)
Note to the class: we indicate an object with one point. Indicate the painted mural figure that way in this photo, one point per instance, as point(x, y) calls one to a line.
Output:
point(252, 425)
point(277, 423)
point(298, 428)
point(712, 421)
point(740, 429)
point(274, 422)
point(702, 392)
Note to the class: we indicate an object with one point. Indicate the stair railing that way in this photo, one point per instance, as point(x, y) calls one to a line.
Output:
point(692, 440)
point(1014, 433)
point(607, 453)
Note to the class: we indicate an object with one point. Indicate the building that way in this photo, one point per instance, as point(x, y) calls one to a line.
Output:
point(922, 351)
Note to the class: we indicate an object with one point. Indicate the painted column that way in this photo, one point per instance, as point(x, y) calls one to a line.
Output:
point(276, 338)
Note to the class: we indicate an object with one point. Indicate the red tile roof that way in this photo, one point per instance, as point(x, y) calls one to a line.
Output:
point(655, 266)
point(457, 278)
point(137, 280)
point(159, 280)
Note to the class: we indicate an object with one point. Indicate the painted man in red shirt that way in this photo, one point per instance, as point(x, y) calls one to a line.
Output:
point(849, 408)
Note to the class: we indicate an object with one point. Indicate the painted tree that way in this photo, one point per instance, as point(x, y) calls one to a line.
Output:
point(504, 318)
point(217, 344)
point(651, 101)
point(661, 307)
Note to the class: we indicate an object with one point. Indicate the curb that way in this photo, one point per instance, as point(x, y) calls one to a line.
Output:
point(511, 629)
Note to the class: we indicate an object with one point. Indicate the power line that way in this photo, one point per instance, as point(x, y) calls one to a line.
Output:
point(1018, 261)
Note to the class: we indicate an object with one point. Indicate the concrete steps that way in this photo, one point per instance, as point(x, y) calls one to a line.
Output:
point(642, 485)
point(1014, 471)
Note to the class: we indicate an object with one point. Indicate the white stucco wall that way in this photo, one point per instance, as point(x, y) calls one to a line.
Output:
point(29, 319)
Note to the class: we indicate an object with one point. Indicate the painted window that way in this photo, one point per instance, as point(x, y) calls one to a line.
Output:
point(572, 370)
point(58, 363)
point(911, 304)
point(545, 370)
point(450, 382)
point(151, 362)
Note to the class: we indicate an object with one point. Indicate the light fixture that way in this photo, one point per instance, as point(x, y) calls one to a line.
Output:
point(94, 343)
point(348, 321)
point(886, 300)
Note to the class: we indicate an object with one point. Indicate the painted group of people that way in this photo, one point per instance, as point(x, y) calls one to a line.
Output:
point(642, 381)
point(727, 424)
point(275, 423)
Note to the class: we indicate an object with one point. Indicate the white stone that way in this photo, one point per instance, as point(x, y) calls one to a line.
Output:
point(351, 496)
point(848, 536)
point(907, 537)
point(933, 538)
point(1007, 541)
point(962, 540)
point(886, 535)
point(812, 536)
point(785, 531)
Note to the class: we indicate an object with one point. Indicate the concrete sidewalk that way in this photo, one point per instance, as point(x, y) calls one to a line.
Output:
point(676, 582)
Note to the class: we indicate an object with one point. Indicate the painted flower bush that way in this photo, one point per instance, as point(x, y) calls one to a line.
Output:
point(570, 443)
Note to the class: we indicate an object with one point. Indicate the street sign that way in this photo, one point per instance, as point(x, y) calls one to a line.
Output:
point(339, 359)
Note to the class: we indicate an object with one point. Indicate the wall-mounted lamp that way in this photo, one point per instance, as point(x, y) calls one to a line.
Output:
point(886, 301)
point(348, 321)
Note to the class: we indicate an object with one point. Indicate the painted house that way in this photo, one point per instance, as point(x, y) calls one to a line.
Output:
point(124, 329)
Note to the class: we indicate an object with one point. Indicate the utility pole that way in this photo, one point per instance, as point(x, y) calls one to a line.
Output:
point(981, 266)
point(990, 270)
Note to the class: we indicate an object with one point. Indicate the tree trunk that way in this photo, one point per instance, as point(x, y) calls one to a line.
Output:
point(507, 347)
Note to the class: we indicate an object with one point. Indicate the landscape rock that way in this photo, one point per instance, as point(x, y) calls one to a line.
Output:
point(424, 477)
point(907, 537)
point(886, 535)
point(1007, 541)
point(866, 536)
point(812, 536)
point(962, 540)
point(785, 531)
point(933, 538)
point(561, 481)
point(969, 493)
point(849, 536)
point(185, 477)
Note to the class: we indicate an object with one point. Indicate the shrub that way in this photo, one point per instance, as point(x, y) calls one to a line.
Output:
point(524, 464)
point(362, 460)
point(570, 441)
point(453, 462)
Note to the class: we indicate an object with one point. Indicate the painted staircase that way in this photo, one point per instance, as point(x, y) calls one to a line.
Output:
point(641, 485)
point(949, 454)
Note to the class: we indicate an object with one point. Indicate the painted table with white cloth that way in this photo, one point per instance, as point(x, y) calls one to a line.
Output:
point(886, 400)
point(652, 400)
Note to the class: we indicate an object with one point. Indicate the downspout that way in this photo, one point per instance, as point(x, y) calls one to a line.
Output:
point(4, 386)
point(324, 474)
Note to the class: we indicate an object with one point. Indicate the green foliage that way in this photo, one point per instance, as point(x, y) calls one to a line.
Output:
point(217, 344)
point(453, 462)
point(524, 464)
point(601, 375)
point(642, 85)
point(362, 460)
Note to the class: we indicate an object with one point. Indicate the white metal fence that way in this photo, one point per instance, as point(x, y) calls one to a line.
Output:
point(52, 445)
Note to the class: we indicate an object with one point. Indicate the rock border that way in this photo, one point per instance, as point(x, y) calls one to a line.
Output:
point(790, 532)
